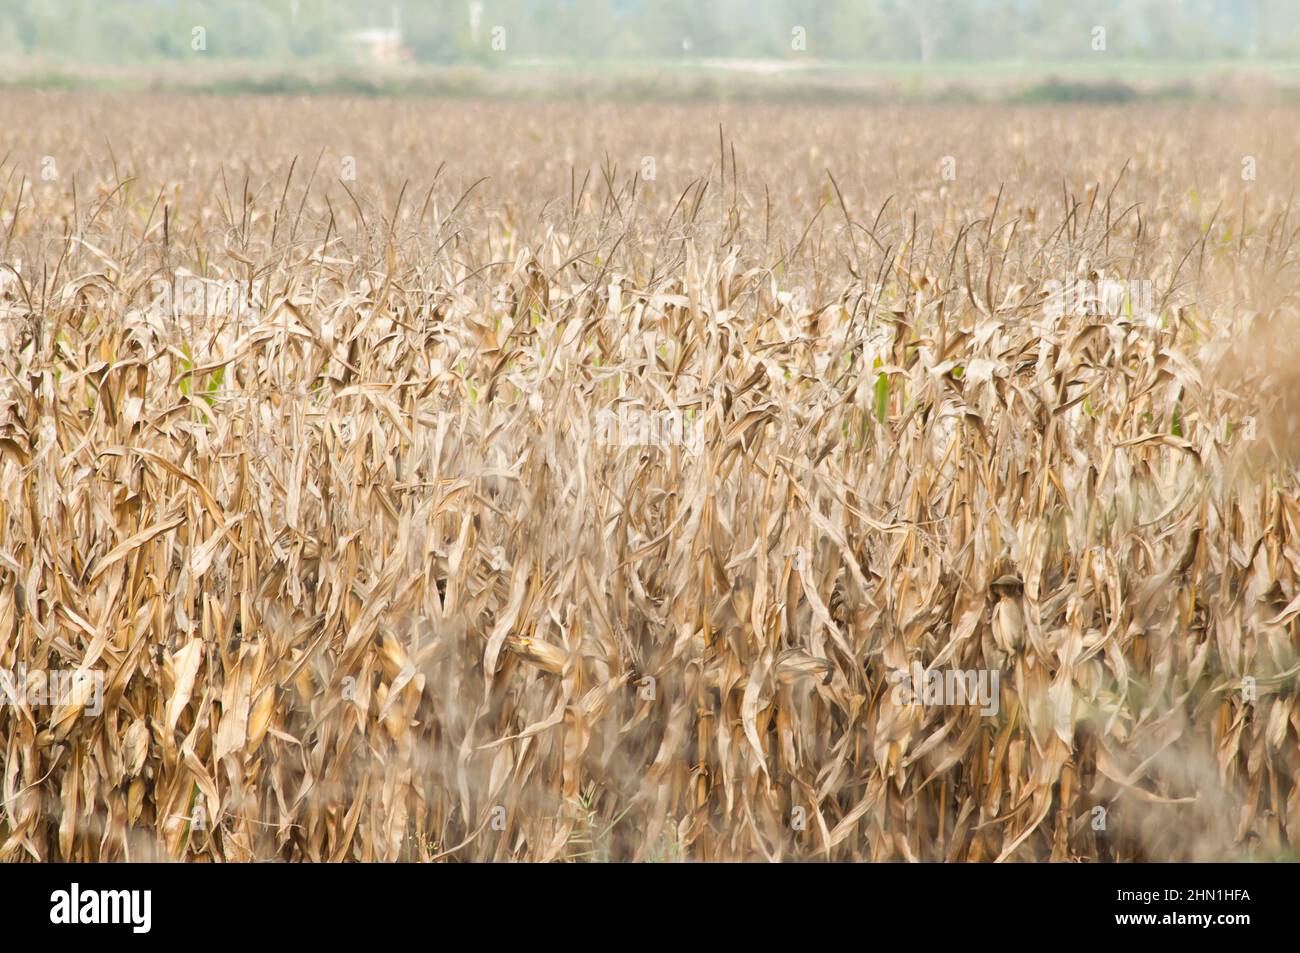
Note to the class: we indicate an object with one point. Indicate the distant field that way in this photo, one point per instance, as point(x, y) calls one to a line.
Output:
point(1103, 79)
point(474, 479)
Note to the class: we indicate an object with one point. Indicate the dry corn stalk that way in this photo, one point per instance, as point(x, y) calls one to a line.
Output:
point(567, 514)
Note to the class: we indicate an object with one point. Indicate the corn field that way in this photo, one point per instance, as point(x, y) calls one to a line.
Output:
point(455, 481)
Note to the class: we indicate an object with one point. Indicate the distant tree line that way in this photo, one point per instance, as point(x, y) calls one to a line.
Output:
point(453, 31)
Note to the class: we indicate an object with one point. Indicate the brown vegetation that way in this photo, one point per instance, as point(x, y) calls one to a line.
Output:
point(367, 578)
